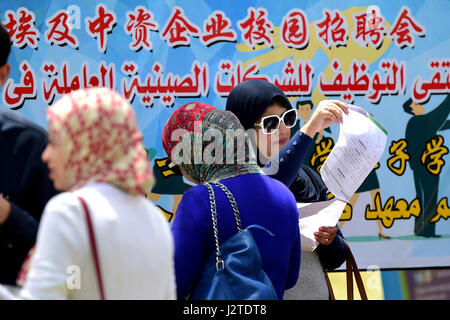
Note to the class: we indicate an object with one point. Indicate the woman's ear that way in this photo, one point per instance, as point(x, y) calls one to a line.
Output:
point(4, 73)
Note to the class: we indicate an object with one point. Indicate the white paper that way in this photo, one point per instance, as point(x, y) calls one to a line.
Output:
point(359, 147)
point(315, 215)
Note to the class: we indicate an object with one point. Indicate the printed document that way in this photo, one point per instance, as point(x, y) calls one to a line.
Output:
point(361, 143)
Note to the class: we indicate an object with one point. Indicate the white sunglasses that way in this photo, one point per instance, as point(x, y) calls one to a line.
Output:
point(270, 124)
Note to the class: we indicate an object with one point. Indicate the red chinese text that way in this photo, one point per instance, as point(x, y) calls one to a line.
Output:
point(99, 25)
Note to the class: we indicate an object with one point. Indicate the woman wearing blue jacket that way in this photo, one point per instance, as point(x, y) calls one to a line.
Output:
point(262, 106)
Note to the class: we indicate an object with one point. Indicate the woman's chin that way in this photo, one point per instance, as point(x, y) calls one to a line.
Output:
point(58, 185)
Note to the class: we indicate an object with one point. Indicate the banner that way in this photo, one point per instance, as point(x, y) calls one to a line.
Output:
point(388, 58)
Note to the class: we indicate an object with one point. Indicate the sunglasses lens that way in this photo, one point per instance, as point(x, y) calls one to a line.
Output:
point(271, 124)
point(290, 118)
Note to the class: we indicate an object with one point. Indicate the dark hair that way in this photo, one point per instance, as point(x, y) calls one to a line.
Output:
point(5, 44)
point(407, 107)
point(305, 102)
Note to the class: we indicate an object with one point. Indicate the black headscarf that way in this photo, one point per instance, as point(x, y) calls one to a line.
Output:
point(249, 99)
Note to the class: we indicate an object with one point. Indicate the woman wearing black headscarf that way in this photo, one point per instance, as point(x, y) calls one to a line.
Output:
point(262, 106)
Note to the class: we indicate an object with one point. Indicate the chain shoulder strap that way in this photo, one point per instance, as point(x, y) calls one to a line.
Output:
point(233, 204)
point(212, 201)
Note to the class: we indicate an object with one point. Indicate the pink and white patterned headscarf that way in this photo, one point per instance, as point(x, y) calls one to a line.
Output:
point(101, 140)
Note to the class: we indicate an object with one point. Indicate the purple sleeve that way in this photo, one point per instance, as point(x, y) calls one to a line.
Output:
point(285, 165)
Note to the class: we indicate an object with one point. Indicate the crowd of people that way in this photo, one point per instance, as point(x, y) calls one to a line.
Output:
point(75, 222)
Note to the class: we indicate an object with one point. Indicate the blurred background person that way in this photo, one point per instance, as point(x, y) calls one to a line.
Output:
point(25, 186)
point(95, 154)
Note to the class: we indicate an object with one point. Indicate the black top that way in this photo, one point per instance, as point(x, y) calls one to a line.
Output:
point(25, 183)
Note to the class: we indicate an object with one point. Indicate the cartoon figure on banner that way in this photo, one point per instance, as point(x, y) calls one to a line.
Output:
point(169, 184)
point(426, 149)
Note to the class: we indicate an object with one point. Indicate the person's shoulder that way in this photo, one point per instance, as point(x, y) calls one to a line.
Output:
point(63, 206)
point(14, 120)
point(275, 184)
point(280, 191)
point(64, 200)
point(256, 182)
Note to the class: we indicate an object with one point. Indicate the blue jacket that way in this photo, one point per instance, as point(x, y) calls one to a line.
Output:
point(261, 200)
point(25, 183)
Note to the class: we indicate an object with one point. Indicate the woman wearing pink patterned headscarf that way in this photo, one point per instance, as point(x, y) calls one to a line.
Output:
point(101, 238)
point(100, 142)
